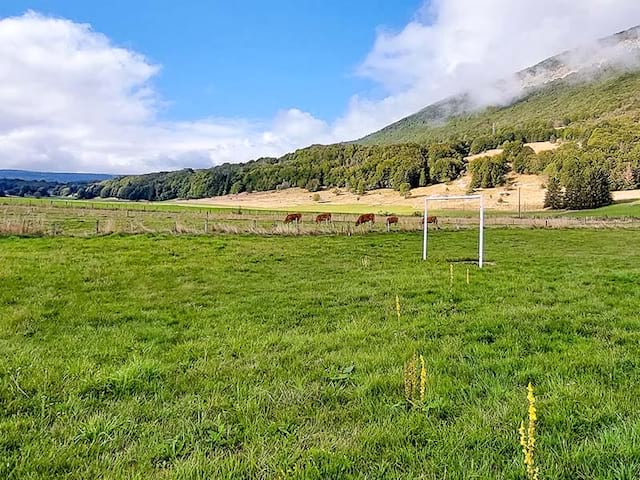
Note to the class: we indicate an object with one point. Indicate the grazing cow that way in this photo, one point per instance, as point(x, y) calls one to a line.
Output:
point(323, 217)
point(366, 217)
point(293, 217)
point(433, 220)
point(392, 219)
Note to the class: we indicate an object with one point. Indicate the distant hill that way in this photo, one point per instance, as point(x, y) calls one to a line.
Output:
point(54, 177)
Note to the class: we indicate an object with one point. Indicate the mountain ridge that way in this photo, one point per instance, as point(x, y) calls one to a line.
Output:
point(616, 53)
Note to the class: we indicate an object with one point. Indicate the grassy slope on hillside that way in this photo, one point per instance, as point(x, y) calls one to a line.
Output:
point(140, 357)
point(609, 98)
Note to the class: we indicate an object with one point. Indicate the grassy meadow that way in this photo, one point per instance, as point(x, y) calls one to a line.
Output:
point(237, 357)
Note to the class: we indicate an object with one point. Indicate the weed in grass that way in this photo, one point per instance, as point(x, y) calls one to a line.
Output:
point(415, 380)
point(409, 377)
point(528, 436)
point(423, 378)
point(398, 306)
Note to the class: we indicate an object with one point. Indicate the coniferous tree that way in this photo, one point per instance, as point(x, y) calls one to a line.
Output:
point(423, 178)
point(599, 188)
point(554, 197)
point(573, 194)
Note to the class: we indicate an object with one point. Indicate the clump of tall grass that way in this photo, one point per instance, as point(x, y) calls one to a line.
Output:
point(23, 227)
point(528, 436)
point(415, 380)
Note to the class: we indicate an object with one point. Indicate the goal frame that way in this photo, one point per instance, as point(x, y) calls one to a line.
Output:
point(425, 240)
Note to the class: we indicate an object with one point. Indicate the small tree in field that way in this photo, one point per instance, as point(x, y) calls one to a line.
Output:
point(554, 198)
point(405, 190)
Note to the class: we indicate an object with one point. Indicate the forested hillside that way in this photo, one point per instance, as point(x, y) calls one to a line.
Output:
point(342, 165)
point(596, 121)
point(569, 87)
point(540, 115)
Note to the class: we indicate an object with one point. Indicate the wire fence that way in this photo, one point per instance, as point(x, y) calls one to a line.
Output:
point(83, 220)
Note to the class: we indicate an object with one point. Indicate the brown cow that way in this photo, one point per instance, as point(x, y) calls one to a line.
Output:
point(392, 219)
point(323, 217)
point(366, 217)
point(293, 217)
point(433, 220)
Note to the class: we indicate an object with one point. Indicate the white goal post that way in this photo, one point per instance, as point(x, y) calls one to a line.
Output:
point(454, 197)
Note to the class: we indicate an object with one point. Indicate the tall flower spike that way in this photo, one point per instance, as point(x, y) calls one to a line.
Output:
point(528, 436)
point(413, 373)
point(407, 384)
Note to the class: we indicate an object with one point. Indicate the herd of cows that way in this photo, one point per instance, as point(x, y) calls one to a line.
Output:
point(362, 219)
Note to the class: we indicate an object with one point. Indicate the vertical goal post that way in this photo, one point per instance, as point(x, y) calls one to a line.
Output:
point(425, 240)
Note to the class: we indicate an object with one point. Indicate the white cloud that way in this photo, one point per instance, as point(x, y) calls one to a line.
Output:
point(72, 100)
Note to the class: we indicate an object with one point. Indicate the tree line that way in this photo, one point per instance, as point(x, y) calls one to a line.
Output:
point(38, 188)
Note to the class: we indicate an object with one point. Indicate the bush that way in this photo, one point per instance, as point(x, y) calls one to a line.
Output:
point(236, 188)
point(283, 186)
point(316, 197)
point(313, 185)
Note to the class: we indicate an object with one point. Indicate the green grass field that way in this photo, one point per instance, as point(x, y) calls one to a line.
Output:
point(241, 357)
point(617, 210)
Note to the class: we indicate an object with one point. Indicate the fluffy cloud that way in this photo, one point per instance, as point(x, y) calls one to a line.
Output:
point(71, 100)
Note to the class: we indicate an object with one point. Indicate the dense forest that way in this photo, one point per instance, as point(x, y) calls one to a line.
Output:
point(352, 166)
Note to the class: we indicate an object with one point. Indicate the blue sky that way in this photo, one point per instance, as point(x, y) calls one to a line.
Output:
point(243, 59)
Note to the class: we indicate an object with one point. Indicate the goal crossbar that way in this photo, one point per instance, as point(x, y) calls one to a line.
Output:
point(454, 197)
